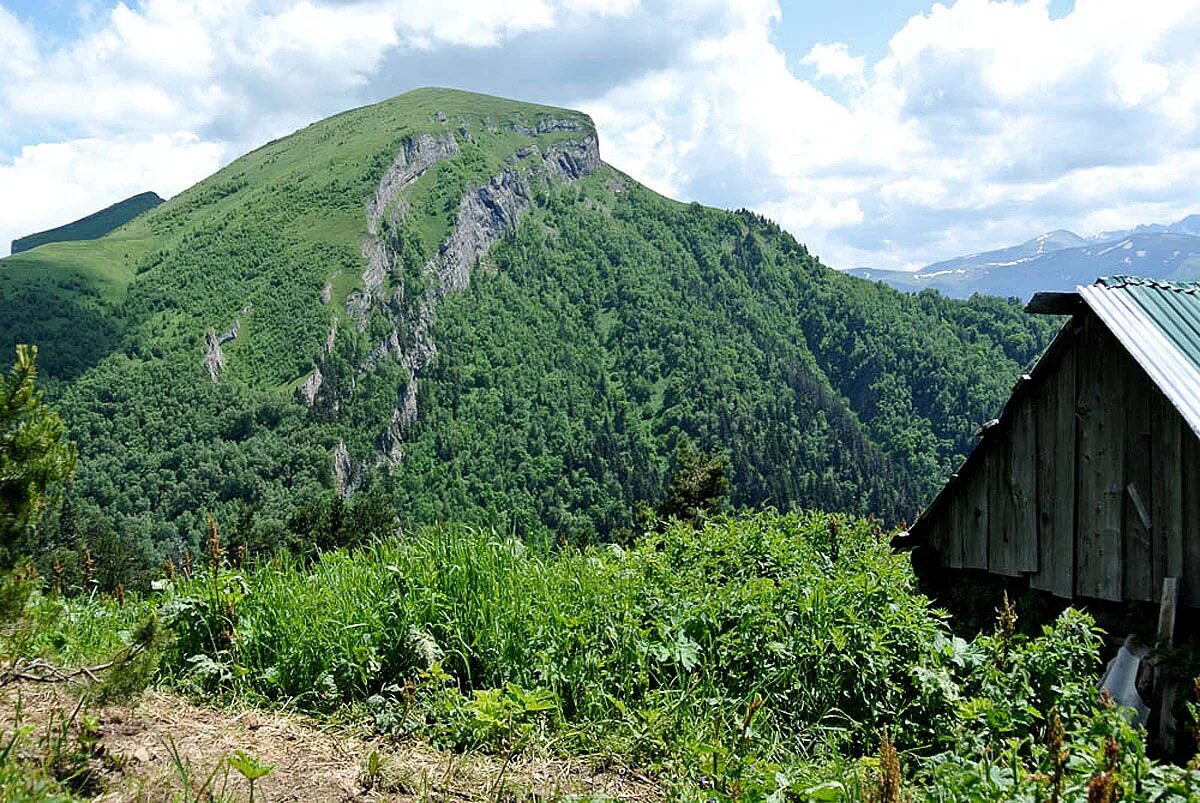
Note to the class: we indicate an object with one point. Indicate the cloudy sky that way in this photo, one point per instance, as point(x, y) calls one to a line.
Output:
point(891, 135)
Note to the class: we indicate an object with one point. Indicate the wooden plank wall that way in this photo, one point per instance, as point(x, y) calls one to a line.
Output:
point(975, 510)
point(1056, 478)
point(1189, 528)
point(1090, 487)
point(1099, 468)
point(1166, 490)
point(1136, 521)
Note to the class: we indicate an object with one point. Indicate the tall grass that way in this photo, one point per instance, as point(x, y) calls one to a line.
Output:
point(716, 616)
point(747, 657)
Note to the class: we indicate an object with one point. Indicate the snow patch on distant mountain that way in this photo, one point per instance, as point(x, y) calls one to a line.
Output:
point(1059, 260)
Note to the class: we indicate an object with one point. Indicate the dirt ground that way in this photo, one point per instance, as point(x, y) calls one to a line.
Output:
point(163, 747)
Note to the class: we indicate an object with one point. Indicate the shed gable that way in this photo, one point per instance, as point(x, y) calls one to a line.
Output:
point(1089, 482)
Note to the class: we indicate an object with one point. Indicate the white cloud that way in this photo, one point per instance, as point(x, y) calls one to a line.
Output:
point(833, 60)
point(984, 122)
point(462, 22)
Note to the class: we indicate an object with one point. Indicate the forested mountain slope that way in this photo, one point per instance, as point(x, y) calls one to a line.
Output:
point(448, 300)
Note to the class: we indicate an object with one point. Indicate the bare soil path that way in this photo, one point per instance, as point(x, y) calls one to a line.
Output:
point(163, 747)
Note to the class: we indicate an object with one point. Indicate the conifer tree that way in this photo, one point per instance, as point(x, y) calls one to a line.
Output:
point(36, 458)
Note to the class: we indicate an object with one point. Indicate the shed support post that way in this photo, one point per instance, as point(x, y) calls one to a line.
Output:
point(1163, 704)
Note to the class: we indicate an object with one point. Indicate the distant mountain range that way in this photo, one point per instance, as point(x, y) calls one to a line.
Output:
point(93, 226)
point(1058, 260)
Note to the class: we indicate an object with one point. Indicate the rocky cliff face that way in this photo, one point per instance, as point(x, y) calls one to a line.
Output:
point(387, 206)
point(485, 215)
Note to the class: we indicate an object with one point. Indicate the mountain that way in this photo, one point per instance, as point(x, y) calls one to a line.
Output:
point(1059, 260)
point(448, 302)
point(1189, 225)
point(1029, 250)
point(93, 226)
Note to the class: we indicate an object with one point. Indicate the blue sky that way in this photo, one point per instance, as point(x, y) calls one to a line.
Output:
point(885, 132)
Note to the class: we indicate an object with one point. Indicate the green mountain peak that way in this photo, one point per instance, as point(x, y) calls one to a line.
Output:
point(92, 226)
point(447, 300)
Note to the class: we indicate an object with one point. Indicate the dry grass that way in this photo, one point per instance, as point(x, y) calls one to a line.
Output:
point(155, 747)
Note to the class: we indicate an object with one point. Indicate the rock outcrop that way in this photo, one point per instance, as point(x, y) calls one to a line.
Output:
point(309, 391)
point(379, 248)
point(214, 356)
point(485, 216)
point(345, 476)
point(306, 394)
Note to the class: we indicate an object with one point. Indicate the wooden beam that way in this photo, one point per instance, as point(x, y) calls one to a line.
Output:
point(1164, 693)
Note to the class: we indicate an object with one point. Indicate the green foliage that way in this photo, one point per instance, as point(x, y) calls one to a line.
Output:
point(26, 779)
point(748, 657)
point(755, 658)
point(108, 646)
point(669, 321)
point(250, 768)
point(698, 484)
point(36, 458)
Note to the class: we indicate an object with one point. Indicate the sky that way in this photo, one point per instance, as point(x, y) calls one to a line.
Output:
point(882, 133)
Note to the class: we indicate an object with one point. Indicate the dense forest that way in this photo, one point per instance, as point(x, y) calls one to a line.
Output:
point(606, 330)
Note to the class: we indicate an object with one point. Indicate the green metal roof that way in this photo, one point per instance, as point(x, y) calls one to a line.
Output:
point(1158, 322)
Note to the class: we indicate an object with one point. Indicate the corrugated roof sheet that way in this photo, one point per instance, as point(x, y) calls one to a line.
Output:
point(1159, 324)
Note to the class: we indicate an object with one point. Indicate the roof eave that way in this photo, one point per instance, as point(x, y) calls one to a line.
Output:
point(1055, 304)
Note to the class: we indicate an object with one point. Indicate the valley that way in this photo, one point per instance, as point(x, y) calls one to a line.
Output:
point(423, 455)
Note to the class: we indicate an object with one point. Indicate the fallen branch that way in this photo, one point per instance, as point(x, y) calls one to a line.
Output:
point(40, 670)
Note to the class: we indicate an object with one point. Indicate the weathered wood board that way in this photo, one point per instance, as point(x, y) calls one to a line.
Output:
point(952, 550)
point(1166, 427)
point(1189, 522)
point(1100, 485)
point(1002, 515)
point(1022, 485)
point(1137, 521)
point(975, 513)
point(1056, 478)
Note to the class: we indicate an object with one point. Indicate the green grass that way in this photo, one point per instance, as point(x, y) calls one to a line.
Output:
point(66, 297)
point(106, 266)
point(658, 655)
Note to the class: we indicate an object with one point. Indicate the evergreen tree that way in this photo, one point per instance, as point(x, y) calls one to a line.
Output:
point(699, 483)
point(36, 458)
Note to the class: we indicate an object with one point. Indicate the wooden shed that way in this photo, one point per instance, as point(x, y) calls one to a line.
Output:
point(1088, 484)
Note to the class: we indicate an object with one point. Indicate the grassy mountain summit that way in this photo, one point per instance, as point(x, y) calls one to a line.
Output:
point(92, 226)
point(448, 301)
